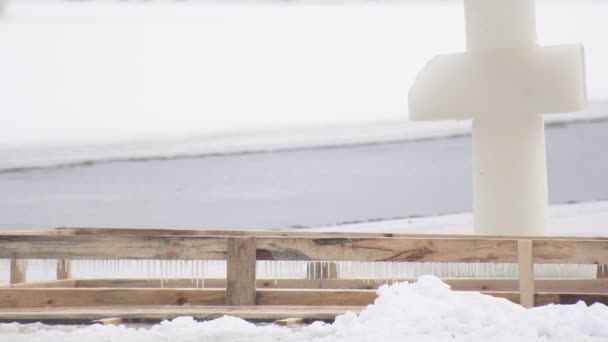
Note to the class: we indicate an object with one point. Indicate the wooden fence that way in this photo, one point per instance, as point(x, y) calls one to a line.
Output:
point(241, 250)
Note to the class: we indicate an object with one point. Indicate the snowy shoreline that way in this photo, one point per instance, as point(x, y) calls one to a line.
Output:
point(91, 81)
point(588, 219)
point(258, 141)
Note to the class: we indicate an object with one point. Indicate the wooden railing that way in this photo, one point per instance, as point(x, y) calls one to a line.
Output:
point(241, 250)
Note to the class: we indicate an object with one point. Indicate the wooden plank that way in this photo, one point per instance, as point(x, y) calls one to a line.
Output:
point(386, 249)
point(147, 283)
point(140, 298)
point(58, 297)
point(269, 248)
point(590, 286)
point(159, 313)
point(571, 252)
point(584, 286)
point(284, 233)
point(240, 283)
point(526, 273)
point(112, 247)
point(64, 269)
point(18, 271)
point(602, 271)
point(314, 297)
point(341, 283)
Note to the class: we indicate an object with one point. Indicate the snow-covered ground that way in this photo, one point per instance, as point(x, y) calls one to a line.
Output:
point(580, 219)
point(423, 311)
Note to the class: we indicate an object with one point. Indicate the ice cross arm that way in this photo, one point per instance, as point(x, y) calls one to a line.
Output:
point(505, 82)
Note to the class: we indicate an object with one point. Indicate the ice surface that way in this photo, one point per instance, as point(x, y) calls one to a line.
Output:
point(423, 311)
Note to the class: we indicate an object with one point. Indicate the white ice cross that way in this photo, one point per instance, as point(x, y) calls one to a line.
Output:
point(504, 82)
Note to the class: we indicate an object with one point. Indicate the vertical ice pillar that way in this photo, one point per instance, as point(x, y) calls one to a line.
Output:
point(504, 82)
point(509, 176)
point(509, 158)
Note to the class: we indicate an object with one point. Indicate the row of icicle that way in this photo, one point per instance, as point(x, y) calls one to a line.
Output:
point(199, 270)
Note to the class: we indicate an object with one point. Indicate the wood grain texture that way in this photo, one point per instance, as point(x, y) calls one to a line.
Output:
point(18, 271)
point(139, 299)
point(526, 273)
point(240, 279)
point(112, 247)
point(588, 286)
point(571, 252)
point(386, 249)
point(158, 313)
point(63, 297)
point(314, 297)
point(602, 271)
point(284, 233)
point(64, 269)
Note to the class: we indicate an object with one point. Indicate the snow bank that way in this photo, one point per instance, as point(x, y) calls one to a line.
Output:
point(578, 219)
point(423, 311)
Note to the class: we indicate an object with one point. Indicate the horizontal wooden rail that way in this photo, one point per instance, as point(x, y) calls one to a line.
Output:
point(65, 297)
point(386, 249)
point(159, 313)
point(90, 297)
point(589, 286)
point(201, 247)
point(570, 252)
point(285, 233)
point(112, 247)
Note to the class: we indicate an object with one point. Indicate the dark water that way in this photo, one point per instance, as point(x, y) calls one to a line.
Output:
point(288, 189)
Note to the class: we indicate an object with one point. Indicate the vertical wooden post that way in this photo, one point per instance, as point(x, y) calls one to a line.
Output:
point(322, 270)
point(18, 271)
point(602, 271)
point(526, 273)
point(64, 269)
point(240, 275)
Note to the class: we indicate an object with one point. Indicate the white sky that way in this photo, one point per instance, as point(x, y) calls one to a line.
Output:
point(90, 72)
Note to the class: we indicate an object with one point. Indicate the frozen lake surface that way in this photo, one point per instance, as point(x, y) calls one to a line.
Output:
point(302, 188)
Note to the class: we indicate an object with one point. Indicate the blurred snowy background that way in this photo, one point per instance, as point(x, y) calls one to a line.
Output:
point(83, 82)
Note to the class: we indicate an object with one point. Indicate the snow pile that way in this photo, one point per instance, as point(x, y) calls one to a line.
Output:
point(424, 311)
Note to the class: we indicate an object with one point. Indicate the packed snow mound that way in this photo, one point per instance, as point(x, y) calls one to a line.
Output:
point(423, 311)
